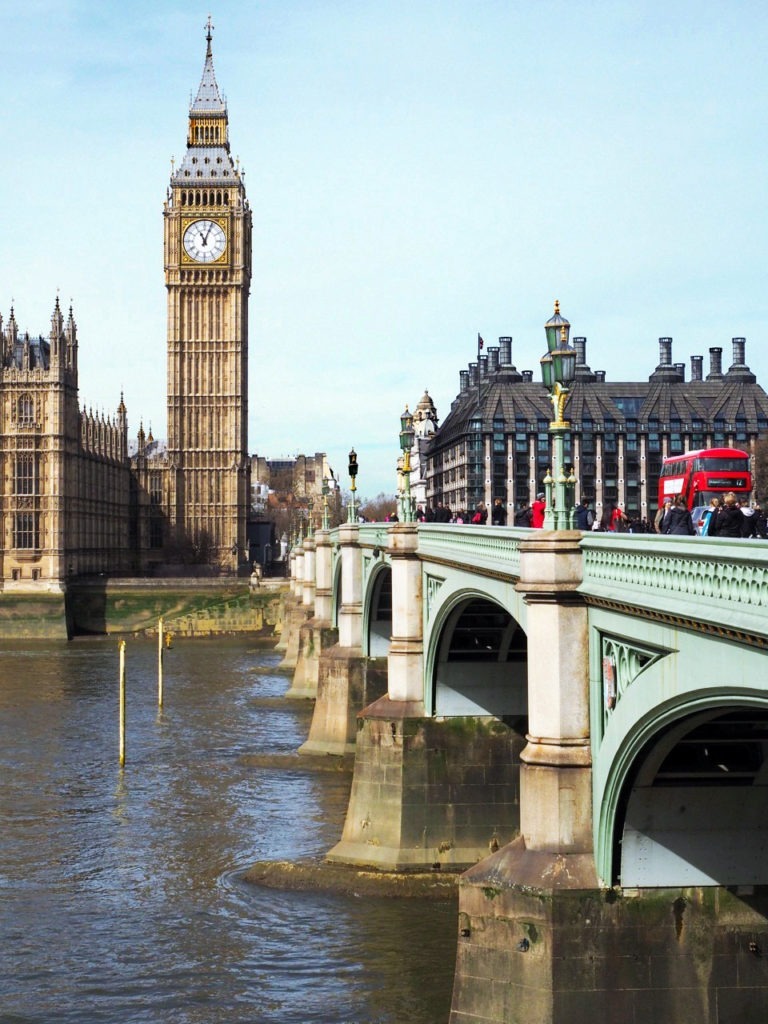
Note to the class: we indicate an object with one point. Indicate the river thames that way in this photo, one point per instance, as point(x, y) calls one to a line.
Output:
point(121, 897)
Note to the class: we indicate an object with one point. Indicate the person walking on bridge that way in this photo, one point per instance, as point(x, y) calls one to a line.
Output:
point(584, 517)
point(678, 520)
point(537, 512)
point(729, 520)
point(658, 523)
point(524, 514)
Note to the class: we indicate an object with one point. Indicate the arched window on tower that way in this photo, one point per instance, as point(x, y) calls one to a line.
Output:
point(26, 411)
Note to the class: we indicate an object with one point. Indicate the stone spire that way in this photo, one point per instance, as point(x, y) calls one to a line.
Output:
point(207, 159)
point(208, 99)
point(70, 332)
point(57, 321)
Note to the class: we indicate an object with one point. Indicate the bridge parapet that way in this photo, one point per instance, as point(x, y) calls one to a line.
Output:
point(722, 583)
point(373, 535)
point(494, 550)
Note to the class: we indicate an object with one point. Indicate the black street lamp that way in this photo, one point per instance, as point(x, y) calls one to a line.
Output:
point(352, 507)
point(558, 372)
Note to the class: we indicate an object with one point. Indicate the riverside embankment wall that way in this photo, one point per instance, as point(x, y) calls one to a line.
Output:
point(187, 607)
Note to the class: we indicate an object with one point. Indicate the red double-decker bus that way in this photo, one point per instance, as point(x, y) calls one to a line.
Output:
point(705, 474)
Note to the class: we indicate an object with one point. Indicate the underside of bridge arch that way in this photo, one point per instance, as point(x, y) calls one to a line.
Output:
point(336, 593)
point(481, 662)
point(694, 808)
point(379, 614)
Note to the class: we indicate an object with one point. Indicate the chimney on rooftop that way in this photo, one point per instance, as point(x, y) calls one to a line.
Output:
point(505, 351)
point(715, 363)
point(739, 346)
point(665, 351)
point(463, 381)
point(696, 367)
point(493, 358)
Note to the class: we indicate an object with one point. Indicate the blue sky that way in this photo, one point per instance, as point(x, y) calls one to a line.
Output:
point(418, 172)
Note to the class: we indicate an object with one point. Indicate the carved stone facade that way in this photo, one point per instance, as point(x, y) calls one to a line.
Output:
point(74, 500)
point(64, 472)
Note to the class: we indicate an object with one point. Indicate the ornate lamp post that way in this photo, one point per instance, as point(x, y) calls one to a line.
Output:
point(558, 372)
point(325, 492)
point(352, 507)
point(310, 520)
point(407, 434)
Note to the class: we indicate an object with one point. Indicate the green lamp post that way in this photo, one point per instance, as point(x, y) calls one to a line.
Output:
point(325, 492)
point(558, 372)
point(407, 434)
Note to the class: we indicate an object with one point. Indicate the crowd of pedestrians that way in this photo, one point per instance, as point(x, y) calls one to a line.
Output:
point(729, 517)
point(726, 517)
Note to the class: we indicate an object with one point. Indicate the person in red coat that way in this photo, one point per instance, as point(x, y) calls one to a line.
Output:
point(537, 512)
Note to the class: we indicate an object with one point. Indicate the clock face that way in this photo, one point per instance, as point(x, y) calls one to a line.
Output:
point(204, 241)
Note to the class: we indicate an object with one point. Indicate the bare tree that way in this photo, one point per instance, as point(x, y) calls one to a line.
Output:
point(377, 509)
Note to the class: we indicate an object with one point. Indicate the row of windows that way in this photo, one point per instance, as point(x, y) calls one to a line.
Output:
point(587, 446)
point(209, 133)
point(205, 197)
point(625, 427)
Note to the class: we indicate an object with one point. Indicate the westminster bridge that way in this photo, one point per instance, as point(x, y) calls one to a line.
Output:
point(577, 721)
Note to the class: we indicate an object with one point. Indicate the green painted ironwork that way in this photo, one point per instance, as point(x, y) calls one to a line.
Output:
point(682, 623)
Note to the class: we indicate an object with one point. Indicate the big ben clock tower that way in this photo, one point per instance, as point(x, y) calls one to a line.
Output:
point(207, 276)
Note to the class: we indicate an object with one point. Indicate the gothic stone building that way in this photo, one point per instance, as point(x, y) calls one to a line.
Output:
point(196, 495)
point(72, 499)
point(494, 443)
point(64, 472)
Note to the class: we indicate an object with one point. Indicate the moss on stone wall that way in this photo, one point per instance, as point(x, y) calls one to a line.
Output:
point(189, 609)
point(195, 608)
point(33, 617)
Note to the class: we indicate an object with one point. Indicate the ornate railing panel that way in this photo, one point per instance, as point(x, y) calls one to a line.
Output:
point(723, 583)
point(492, 550)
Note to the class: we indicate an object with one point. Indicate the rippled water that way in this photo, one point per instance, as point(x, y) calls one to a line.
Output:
point(120, 895)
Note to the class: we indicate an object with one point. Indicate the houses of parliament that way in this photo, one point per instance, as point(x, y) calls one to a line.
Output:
point(76, 498)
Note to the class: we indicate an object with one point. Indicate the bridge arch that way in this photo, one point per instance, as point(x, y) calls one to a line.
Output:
point(687, 794)
point(377, 612)
point(476, 659)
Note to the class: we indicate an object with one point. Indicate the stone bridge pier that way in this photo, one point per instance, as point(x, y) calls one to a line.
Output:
point(344, 679)
point(514, 905)
point(315, 631)
point(427, 792)
point(295, 612)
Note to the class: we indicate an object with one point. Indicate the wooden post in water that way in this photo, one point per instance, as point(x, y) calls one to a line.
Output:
point(122, 703)
point(160, 662)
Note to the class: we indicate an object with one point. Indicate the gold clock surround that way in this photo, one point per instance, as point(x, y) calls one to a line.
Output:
point(190, 261)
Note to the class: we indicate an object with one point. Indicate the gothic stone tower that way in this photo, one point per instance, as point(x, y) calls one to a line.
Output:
point(207, 275)
point(64, 483)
